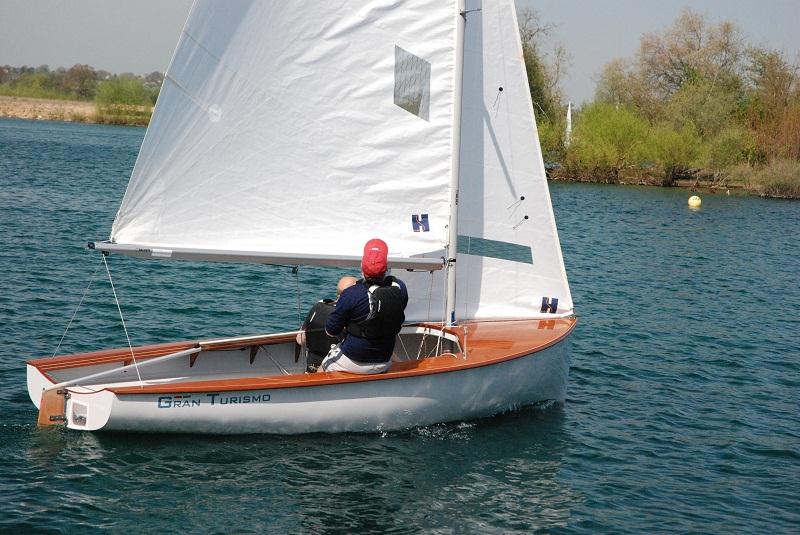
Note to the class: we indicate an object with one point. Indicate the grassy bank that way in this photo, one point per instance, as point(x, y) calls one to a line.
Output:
point(73, 111)
point(79, 94)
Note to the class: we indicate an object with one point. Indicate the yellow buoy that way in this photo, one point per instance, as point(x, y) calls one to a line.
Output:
point(695, 201)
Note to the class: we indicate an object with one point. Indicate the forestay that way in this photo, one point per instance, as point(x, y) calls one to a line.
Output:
point(299, 130)
point(509, 261)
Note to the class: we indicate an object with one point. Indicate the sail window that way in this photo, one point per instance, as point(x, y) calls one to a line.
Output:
point(495, 249)
point(412, 83)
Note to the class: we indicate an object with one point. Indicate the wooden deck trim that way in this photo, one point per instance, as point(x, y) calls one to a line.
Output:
point(561, 328)
point(142, 353)
point(491, 349)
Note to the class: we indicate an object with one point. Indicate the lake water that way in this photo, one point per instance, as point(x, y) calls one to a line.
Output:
point(683, 409)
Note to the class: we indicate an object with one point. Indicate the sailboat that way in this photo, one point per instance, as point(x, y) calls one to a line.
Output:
point(290, 133)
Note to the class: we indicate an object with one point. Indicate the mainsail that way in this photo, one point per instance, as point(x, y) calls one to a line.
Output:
point(509, 260)
point(284, 137)
point(299, 132)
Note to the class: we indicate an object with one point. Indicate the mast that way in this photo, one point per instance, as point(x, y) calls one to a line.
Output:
point(452, 245)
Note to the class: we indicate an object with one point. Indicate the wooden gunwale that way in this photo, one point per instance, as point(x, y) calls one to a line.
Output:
point(487, 343)
point(123, 355)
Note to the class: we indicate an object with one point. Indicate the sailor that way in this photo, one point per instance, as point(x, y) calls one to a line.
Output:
point(370, 313)
point(312, 333)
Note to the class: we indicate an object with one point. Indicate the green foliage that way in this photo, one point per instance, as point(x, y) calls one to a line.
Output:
point(551, 138)
point(732, 146)
point(779, 178)
point(124, 91)
point(713, 105)
point(702, 107)
point(607, 140)
point(543, 72)
point(673, 151)
point(34, 85)
point(124, 101)
point(543, 102)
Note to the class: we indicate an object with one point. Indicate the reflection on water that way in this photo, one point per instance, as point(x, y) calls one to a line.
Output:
point(509, 467)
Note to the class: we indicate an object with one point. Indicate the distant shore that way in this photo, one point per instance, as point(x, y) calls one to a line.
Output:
point(47, 109)
point(87, 112)
point(67, 110)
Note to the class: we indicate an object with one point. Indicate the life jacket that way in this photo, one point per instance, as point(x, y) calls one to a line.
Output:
point(386, 311)
point(317, 340)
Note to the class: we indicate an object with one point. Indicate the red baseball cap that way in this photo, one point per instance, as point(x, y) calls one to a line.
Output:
point(373, 263)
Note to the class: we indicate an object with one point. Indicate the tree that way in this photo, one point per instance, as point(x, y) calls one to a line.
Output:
point(544, 73)
point(701, 106)
point(81, 81)
point(774, 107)
point(622, 84)
point(691, 50)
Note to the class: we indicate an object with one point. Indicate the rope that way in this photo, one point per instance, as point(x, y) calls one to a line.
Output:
point(86, 291)
point(135, 364)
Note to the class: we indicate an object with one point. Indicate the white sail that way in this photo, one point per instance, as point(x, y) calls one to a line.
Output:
point(299, 131)
point(509, 258)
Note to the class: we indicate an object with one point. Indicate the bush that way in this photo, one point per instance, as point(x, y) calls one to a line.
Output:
point(551, 138)
point(124, 101)
point(779, 178)
point(732, 146)
point(606, 141)
point(34, 85)
point(674, 151)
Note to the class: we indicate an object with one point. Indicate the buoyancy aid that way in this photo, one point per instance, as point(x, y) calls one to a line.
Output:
point(317, 340)
point(386, 311)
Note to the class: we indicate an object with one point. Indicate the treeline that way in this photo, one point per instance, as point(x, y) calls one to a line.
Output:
point(120, 98)
point(696, 104)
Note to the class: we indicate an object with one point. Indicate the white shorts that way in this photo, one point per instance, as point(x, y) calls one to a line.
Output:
point(336, 361)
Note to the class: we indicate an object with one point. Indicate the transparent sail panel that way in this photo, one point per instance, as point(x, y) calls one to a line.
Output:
point(412, 83)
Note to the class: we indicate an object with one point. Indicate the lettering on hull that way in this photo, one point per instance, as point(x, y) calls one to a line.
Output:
point(196, 400)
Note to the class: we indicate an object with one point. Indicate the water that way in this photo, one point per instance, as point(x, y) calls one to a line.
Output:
point(683, 413)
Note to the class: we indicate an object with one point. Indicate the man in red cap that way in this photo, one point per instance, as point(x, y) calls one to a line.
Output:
point(370, 314)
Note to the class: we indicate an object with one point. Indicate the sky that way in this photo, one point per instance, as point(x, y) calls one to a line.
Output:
point(139, 35)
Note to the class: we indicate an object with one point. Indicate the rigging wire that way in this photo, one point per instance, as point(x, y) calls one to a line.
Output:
point(428, 317)
point(296, 272)
point(114, 291)
point(85, 292)
point(304, 346)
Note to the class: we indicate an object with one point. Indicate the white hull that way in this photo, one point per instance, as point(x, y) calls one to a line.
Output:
point(231, 391)
point(385, 405)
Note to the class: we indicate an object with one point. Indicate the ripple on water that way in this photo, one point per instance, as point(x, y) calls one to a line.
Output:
point(681, 413)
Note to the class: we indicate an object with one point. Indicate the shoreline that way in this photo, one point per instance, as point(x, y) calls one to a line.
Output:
point(70, 111)
point(47, 109)
point(692, 185)
point(39, 109)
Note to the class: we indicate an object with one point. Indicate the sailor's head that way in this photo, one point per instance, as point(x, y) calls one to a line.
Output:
point(344, 283)
point(373, 263)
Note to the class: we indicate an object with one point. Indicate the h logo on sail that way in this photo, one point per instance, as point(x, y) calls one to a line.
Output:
point(419, 222)
point(549, 304)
